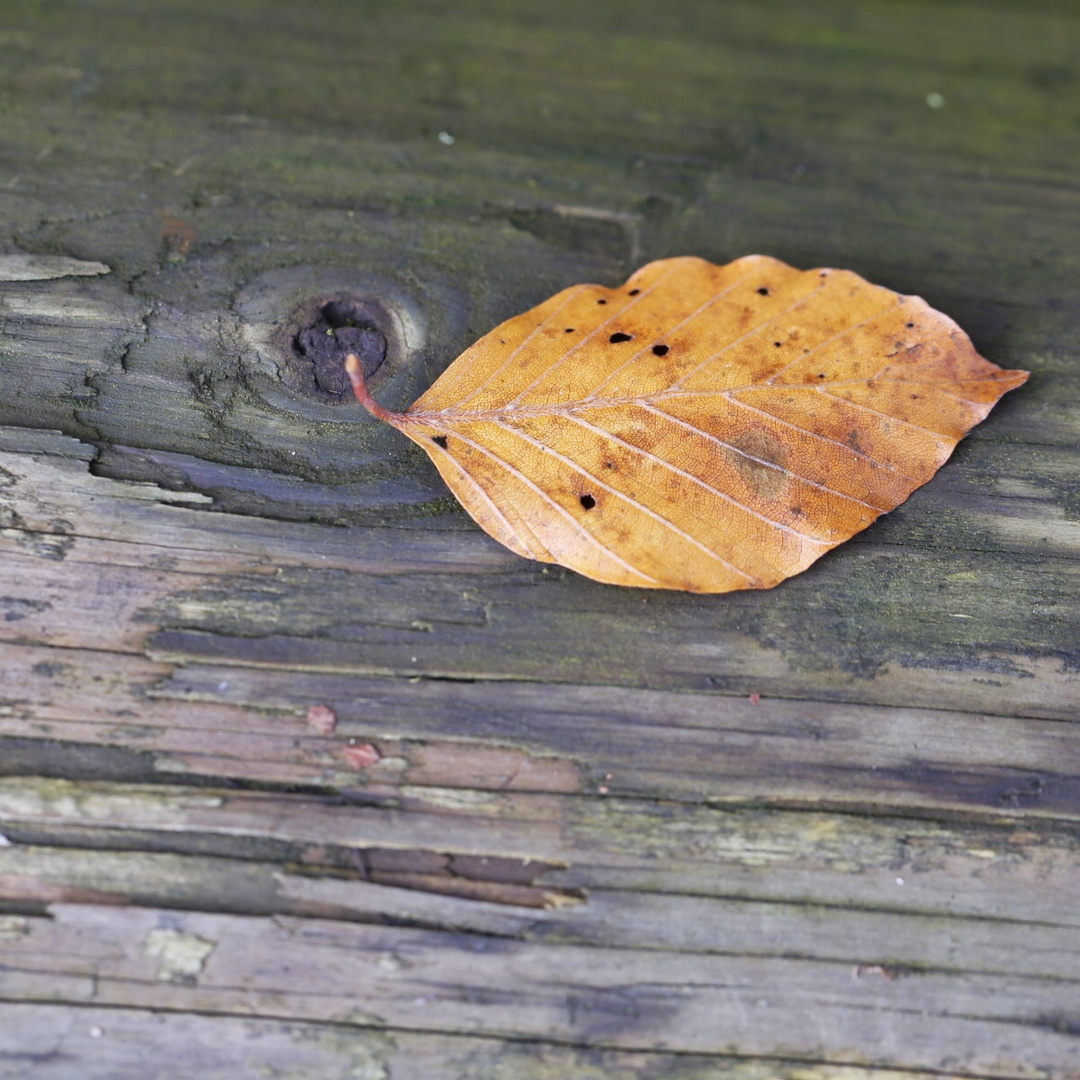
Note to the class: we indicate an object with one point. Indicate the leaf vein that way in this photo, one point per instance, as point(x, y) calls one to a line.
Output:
point(603, 326)
point(878, 412)
point(525, 341)
point(824, 438)
point(771, 380)
point(545, 497)
point(701, 483)
point(499, 514)
point(937, 387)
point(669, 331)
point(749, 333)
point(633, 502)
point(761, 461)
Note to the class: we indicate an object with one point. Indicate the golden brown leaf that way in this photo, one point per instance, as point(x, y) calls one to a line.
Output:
point(703, 427)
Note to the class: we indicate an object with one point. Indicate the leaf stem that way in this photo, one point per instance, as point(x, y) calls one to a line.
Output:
point(355, 370)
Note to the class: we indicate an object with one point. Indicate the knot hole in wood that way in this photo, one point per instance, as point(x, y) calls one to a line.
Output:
point(329, 329)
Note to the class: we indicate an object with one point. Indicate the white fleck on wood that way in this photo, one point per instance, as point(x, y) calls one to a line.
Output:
point(46, 267)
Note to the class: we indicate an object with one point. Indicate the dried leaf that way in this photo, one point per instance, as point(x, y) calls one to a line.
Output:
point(704, 427)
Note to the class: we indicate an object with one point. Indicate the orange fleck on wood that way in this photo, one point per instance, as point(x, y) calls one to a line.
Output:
point(176, 233)
point(360, 756)
point(322, 719)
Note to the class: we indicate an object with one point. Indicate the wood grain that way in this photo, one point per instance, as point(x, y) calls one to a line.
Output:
point(1008, 871)
point(637, 1000)
point(823, 833)
point(66, 1043)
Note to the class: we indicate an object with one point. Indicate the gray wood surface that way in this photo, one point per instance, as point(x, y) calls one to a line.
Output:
point(303, 775)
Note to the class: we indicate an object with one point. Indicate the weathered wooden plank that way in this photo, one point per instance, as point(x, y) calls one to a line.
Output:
point(715, 163)
point(1008, 871)
point(88, 1043)
point(315, 969)
point(246, 591)
point(954, 210)
point(701, 747)
point(46, 480)
point(894, 941)
point(32, 877)
point(920, 680)
point(485, 67)
point(251, 724)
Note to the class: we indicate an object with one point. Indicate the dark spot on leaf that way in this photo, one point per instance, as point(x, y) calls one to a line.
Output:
point(569, 329)
point(588, 502)
point(439, 440)
point(609, 464)
point(660, 350)
point(797, 511)
point(616, 338)
point(821, 375)
point(914, 397)
point(777, 344)
point(601, 301)
point(634, 292)
point(910, 326)
point(763, 290)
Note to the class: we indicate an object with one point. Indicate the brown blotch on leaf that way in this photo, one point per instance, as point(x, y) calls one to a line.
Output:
point(760, 459)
